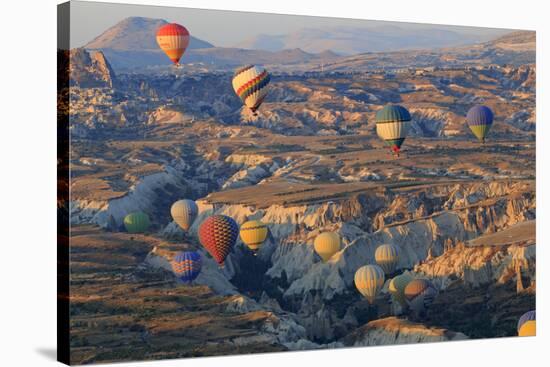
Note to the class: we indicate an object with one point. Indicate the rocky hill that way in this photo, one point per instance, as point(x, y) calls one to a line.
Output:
point(136, 34)
point(392, 330)
point(519, 41)
point(90, 69)
point(132, 43)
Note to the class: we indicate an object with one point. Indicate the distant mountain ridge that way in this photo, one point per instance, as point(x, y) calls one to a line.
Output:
point(515, 48)
point(355, 40)
point(137, 34)
point(131, 44)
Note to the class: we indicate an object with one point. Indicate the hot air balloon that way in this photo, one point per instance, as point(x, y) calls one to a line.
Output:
point(369, 279)
point(187, 265)
point(253, 234)
point(218, 234)
point(480, 120)
point(250, 83)
point(397, 287)
point(387, 256)
point(327, 244)
point(184, 213)
point(527, 324)
point(391, 125)
point(173, 39)
point(420, 294)
point(137, 222)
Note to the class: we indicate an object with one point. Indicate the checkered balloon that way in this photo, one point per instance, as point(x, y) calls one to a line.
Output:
point(218, 234)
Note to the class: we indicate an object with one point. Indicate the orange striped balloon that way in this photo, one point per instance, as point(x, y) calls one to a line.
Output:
point(173, 39)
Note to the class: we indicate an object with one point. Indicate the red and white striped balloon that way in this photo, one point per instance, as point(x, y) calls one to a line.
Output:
point(173, 39)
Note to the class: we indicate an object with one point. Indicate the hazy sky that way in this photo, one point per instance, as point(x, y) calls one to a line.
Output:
point(90, 19)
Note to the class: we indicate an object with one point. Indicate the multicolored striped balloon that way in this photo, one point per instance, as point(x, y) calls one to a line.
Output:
point(250, 83)
point(387, 256)
point(253, 234)
point(187, 265)
point(184, 213)
point(218, 234)
point(391, 126)
point(173, 39)
point(480, 120)
point(369, 279)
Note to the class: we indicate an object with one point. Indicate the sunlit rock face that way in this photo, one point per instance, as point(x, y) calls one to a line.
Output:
point(398, 331)
point(90, 69)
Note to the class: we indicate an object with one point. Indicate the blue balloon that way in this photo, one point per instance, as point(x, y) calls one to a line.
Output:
point(479, 115)
point(480, 120)
point(187, 265)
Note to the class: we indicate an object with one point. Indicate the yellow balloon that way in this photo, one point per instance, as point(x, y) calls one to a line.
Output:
point(327, 244)
point(369, 279)
point(253, 234)
point(387, 257)
point(528, 329)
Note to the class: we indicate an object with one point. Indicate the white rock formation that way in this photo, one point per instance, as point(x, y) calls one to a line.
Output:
point(391, 331)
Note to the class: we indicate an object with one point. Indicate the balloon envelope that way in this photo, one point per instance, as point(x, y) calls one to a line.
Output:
point(420, 294)
point(528, 316)
point(387, 256)
point(397, 287)
point(187, 265)
point(480, 120)
point(218, 234)
point(529, 328)
point(251, 85)
point(137, 222)
point(173, 39)
point(253, 234)
point(369, 279)
point(391, 125)
point(184, 213)
point(327, 244)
